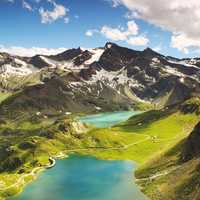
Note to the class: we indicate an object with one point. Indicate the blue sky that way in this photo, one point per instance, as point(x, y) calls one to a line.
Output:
point(53, 24)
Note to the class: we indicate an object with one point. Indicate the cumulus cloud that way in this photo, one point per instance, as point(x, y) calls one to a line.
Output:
point(118, 34)
point(113, 33)
point(138, 41)
point(21, 51)
point(182, 42)
point(181, 17)
point(49, 16)
point(129, 35)
point(59, 11)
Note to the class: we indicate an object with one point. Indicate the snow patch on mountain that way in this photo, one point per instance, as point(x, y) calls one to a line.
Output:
point(114, 78)
point(96, 54)
point(173, 71)
point(20, 62)
point(183, 63)
point(49, 62)
point(7, 70)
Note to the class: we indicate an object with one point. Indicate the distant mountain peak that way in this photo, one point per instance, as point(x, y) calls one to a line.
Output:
point(109, 45)
point(149, 50)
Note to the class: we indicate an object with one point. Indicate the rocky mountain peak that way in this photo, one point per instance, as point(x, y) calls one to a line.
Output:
point(38, 62)
point(67, 55)
point(150, 52)
point(109, 45)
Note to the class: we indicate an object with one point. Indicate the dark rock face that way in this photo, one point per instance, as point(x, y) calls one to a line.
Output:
point(38, 62)
point(191, 106)
point(155, 80)
point(87, 73)
point(179, 94)
point(67, 55)
point(86, 55)
point(192, 145)
point(115, 57)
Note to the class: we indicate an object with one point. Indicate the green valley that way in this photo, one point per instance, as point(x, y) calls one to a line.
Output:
point(150, 137)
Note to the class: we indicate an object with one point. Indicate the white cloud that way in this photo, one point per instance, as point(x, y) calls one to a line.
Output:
point(181, 17)
point(138, 41)
point(91, 32)
point(58, 12)
point(129, 35)
point(113, 33)
point(132, 28)
point(47, 16)
point(21, 51)
point(118, 34)
point(26, 5)
point(183, 43)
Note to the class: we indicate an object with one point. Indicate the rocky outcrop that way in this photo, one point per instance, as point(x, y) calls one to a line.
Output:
point(192, 145)
point(67, 55)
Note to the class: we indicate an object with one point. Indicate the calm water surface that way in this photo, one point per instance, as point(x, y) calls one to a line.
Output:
point(85, 178)
point(104, 120)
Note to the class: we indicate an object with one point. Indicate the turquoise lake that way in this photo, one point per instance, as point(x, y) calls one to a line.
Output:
point(104, 120)
point(86, 178)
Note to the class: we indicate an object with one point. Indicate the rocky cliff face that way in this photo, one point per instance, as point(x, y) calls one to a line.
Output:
point(192, 145)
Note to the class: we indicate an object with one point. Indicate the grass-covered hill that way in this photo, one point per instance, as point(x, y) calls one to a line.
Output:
point(175, 174)
point(157, 132)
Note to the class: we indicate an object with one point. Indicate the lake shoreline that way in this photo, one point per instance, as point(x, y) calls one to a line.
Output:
point(62, 156)
point(134, 166)
point(65, 154)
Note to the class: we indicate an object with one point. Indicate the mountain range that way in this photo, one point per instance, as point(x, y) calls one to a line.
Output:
point(109, 77)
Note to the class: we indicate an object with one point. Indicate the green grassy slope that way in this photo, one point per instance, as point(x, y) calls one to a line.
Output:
point(167, 177)
point(148, 135)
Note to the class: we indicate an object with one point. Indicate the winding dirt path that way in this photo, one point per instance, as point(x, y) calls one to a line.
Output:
point(150, 178)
